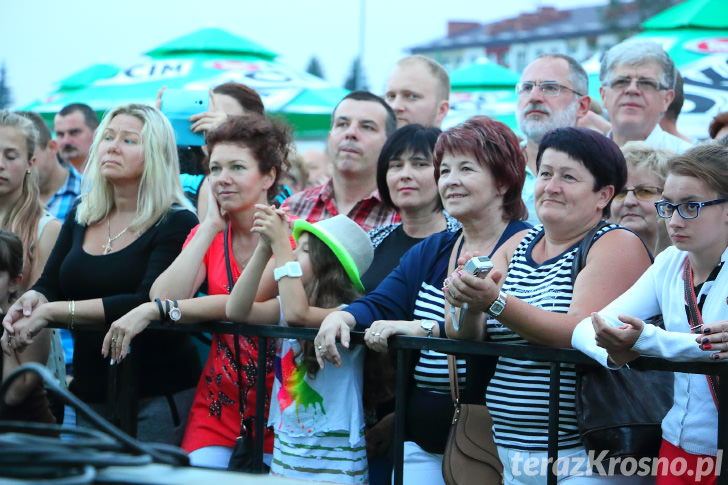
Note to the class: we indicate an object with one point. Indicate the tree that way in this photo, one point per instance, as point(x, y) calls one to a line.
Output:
point(314, 67)
point(5, 96)
point(357, 79)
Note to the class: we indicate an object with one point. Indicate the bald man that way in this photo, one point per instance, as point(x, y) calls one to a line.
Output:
point(418, 90)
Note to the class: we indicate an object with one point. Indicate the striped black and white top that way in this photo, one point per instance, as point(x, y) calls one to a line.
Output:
point(518, 393)
point(413, 291)
point(431, 373)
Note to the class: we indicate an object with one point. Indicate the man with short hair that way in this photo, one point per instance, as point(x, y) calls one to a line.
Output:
point(59, 182)
point(74, 126)
point(669, 122)
point(551, 94)
point(360, 125)
point(638, 84)
point(418, 90)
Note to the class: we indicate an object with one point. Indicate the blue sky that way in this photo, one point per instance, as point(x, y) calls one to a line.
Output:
point(43, 41)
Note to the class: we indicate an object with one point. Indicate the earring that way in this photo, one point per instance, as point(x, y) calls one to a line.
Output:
point(27, 172)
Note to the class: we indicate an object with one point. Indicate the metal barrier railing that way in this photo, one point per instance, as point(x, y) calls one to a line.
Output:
point(403, 346)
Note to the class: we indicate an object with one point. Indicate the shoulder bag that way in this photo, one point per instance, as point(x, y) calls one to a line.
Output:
point(242, 458)
point(620, 411)
point(470, 453)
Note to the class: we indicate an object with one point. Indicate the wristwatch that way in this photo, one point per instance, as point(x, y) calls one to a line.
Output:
point(175, 313)
point(496, 308)
point(427, 326)
point(292, 269)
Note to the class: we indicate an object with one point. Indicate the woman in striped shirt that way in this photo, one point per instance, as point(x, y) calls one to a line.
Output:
point(480, 172)
point(538, 302)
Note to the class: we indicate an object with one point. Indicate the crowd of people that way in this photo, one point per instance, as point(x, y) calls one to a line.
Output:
point(100, 228)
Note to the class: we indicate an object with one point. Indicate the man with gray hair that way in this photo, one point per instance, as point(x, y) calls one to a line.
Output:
point(418, 90)
point(551, 94)
point(638, 84)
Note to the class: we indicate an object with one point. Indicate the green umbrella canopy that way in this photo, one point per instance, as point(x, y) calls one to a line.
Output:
point(483, 74)
point(211, 41)
point(700, 14)
point(482, 88)
point(88, 75)
point(194, 61)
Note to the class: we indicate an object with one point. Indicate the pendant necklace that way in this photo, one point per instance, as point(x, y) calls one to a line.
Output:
point(107, 247)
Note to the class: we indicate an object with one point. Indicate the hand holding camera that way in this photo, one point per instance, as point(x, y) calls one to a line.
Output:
point(478, 266)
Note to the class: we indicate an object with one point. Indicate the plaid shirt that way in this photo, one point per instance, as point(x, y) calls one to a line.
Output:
point(318, 203)
point(60, 203)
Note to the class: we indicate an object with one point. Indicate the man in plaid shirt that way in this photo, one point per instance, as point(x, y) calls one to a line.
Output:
point(59, 181)
point(360, 125)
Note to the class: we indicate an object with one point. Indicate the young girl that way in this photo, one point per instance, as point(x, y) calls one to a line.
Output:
point(21, 211)
point(25, 400)
point(316, 415)
point(687, 285)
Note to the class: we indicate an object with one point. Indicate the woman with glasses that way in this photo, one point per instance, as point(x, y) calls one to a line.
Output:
point(633, 206)
point(694, 206)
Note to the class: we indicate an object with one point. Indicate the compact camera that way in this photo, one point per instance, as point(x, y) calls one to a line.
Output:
point(178, 105)
point(479, 266)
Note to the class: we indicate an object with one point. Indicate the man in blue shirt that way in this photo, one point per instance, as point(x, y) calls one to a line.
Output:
point(59, 181)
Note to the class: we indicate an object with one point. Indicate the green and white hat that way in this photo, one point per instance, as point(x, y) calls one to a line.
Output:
point(347, 240)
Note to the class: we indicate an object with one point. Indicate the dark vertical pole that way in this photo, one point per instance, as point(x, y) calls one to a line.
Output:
point(400, 396)
point(553, 448)
point(722, 427)
point(260, 397)
point(122, 397)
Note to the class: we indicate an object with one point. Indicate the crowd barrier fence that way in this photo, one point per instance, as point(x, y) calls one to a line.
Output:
point(121, 385)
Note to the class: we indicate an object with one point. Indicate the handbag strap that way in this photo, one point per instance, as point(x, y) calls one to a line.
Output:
point(236, 336)
point(452, 369)
point(695, 320)
point(452, 365)
point(228, 265)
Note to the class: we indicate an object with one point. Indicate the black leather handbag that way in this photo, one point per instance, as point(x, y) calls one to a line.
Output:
point(620, 411)
point(242, 458)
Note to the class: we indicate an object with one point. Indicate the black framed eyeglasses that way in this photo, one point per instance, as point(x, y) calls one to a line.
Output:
point(644, 84)
point(687, 210)
point(549, 89)
point(641, 192)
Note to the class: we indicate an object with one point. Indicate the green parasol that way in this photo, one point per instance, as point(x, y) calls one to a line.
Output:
point(201, 60)
point(483, 88)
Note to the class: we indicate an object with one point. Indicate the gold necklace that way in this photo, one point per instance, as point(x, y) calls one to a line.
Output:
point(107, 247)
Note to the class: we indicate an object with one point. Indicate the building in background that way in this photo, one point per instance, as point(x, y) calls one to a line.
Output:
point(514, 42)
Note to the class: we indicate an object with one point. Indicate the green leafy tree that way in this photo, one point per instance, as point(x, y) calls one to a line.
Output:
point(314, 67)
point(5, 96)
point(357, 79)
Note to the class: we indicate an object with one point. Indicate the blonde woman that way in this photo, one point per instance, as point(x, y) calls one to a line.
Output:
point(129, 225)
point(634, 206)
